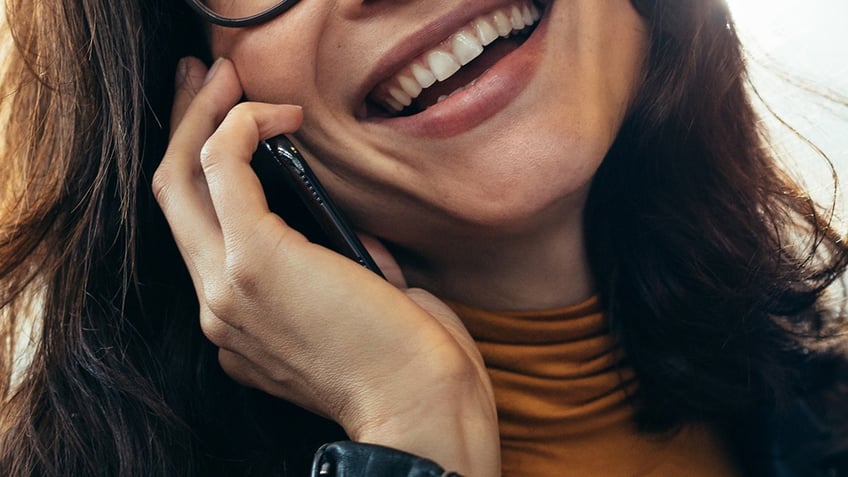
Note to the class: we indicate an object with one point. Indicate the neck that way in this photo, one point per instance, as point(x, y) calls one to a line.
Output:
point(540, 268)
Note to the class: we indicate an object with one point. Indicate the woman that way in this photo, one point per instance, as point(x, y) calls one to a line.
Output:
point(603, 184)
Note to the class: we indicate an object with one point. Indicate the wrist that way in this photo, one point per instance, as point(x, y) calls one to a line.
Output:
point(458, 431)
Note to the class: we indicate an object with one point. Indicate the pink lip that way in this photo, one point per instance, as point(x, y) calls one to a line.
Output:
point(492, 92)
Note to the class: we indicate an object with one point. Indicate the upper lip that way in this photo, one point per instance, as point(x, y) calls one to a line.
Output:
point(425, 38)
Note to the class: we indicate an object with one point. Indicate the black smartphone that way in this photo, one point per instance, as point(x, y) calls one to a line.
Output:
point(294, 193)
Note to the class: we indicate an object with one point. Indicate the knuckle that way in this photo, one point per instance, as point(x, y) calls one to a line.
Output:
point(240, 114)
point(160, 184)
point(239, 120)
point(209, 154)
point(244, 113)
point(229, 296)
point(215, 329)
point(241, 275)
point(241, 111)
point(243, 116)
point(220, 301)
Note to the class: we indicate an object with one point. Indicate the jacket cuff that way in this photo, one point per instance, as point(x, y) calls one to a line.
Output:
point(355, 459)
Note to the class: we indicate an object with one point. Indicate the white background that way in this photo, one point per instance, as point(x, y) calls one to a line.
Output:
point(795, 47)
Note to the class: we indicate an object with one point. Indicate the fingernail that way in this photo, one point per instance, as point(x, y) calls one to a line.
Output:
point(182, 71)
point(212, 71)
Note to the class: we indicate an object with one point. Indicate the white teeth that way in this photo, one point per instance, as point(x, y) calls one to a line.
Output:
point(410, 86)
point(526, 15)
point(443, 65)
point(400, 96)
point(502, 23)
point(486, 32)
point(516, 18)
point(425, 77)
point(393, 104)
point(466, 47)
point(461, 48)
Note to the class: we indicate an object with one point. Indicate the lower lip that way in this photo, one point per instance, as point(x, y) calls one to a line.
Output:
point(494, 90)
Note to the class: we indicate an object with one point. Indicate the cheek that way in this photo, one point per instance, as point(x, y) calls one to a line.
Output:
point(273, 67)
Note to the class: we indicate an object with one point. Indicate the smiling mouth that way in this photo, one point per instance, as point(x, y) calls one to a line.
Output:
point(455, 64)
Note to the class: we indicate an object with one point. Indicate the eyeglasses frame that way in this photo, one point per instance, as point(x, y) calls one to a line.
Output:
point(261, 17)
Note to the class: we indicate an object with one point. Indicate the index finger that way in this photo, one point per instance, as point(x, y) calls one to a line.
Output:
point(234, 188)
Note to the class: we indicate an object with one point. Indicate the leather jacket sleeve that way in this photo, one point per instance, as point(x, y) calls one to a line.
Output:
point(354, 459)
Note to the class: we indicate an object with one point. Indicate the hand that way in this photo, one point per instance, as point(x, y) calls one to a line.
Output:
point(393, 367)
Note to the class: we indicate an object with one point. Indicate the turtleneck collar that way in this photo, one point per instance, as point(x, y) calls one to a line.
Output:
point(564, 394)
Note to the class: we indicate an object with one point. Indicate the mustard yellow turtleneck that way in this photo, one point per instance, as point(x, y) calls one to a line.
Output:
point(563, 392)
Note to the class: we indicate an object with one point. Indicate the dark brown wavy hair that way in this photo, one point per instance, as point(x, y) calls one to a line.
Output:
point(711, 261)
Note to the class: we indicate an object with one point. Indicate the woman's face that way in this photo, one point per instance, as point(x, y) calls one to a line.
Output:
point(517, 143)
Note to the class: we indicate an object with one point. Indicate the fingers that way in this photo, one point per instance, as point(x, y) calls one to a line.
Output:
point(203, 138)
point(201, 102)
point(234, 188)
point(179, 185)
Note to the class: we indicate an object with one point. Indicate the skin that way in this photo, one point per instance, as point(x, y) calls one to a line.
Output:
point(466, 219)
